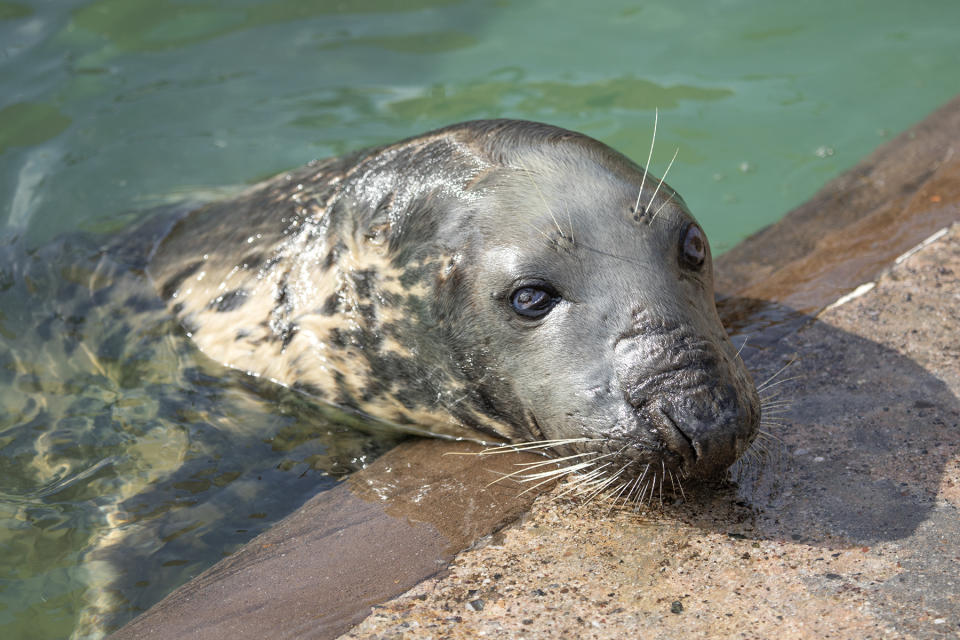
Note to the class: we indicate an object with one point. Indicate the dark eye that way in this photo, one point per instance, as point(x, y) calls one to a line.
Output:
point(693, 246)
point(533, 302)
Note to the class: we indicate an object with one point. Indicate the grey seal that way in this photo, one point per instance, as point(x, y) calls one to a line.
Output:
point(493, 280)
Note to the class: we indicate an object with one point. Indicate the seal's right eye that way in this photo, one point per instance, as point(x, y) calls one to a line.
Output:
point(693, 247)
point(533, 302)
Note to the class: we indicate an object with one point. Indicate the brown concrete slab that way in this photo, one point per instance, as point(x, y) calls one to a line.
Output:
point(319, 570)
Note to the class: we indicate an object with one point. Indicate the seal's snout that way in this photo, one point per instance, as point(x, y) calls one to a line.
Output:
point(707, 433)
point(692, 421)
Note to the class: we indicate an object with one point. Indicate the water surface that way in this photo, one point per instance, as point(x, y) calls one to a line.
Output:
point(130, 462)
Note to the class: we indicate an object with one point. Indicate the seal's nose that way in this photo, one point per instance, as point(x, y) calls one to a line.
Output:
point(717, 428)
point(672, 436)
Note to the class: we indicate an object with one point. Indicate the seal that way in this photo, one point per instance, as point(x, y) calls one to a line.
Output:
point(498, 279)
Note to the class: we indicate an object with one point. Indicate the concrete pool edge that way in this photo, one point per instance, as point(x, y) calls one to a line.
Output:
point(825, 254)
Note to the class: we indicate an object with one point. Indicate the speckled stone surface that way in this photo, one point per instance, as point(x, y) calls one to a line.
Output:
point(847, 526)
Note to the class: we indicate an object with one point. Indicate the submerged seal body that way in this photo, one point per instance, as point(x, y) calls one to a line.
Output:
point(493, 279)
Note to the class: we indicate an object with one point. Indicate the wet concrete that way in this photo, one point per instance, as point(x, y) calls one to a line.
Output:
point(846, 526)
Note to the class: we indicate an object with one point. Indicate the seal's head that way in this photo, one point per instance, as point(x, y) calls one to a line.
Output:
point(580, 314)
point(495, 278)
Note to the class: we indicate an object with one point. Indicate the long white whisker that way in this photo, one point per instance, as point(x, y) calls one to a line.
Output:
point(779, 371)
point(660, 208)
point(678, 486)
point(745, 341)
point(615, 498)
point(662, 178)
point(584, 478)
point(603, 485)
point(656, 116)
point(639, 501)
point(527, 466)
point(531, 465)
point(770, 385)
point(556, 472)
point(522, 446)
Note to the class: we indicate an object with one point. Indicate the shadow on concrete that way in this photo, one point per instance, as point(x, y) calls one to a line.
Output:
point(857, 455)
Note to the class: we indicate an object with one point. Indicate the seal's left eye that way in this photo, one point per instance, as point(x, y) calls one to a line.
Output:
point(533, 302)
point(693, 246)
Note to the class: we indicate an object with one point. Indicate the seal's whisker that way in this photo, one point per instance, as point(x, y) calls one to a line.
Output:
point(603, 485)
point(529, 175)
point(600, 480)
point(642, 489)
point(541, 483)
point(653, 489)
point(643, 492)
point(772, 423)
point(638, 496)
point(657, 190)
point(578, 480)
point(509, 447)
point(550, 478)
point(539, 444)
point(531, 465)
point(660, 208)
point(527, 466)
point(541, 232)
point(653, 139)
point(680, 486)
point(746, 339)
point(766, 382)
point(615, 497)
point(773, 384)
point(779, 405)
point(770, 395)
point(566, 210)
point(556, 472)
point(596, 457)
point(776, 413)
point(663, 476)
point(766, 435)
point(631, 489)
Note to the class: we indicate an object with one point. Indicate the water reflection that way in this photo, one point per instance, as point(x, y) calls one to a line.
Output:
point(131, 462)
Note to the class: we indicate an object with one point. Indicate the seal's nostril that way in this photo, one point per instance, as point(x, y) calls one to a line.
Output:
point(676, 440)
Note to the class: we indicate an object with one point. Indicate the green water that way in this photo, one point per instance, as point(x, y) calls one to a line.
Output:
point(118, 440)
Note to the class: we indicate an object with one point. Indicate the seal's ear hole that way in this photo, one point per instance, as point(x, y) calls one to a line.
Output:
point(533, 301)
point(693, 246)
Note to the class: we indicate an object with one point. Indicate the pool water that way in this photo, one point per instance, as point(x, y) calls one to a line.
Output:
point(130, 462)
